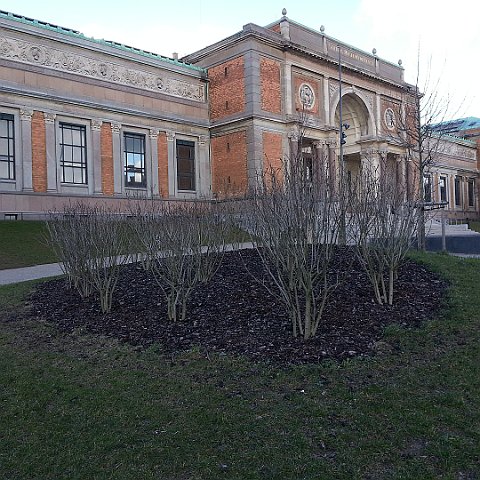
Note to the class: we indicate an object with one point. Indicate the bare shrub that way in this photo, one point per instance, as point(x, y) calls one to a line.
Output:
point(91, 243)
point(384, 223)
point(183, 245)
point(294, 224)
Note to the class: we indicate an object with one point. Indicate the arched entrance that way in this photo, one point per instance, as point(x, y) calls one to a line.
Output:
point(356, 115)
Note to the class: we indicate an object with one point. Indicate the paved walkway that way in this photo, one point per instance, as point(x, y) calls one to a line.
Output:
point(17, 275)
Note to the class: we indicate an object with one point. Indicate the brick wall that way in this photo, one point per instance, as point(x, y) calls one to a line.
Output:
point(163, 164)
point(39, 153)
point(270, 84)
point(106, 154)
point(273, 155)
point(229, 164)
point(227, 88)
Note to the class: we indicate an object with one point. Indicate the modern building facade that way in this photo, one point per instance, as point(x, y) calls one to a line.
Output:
point(99, 121)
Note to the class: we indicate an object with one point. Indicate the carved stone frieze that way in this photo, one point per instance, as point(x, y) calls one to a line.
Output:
point(57, 59)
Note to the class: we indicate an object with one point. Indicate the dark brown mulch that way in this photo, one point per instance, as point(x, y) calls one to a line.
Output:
point(234, 314)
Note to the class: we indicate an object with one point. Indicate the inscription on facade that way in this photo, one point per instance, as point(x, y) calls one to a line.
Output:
point(56, 59)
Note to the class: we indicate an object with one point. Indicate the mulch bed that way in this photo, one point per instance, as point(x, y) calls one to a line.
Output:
point(233, 314)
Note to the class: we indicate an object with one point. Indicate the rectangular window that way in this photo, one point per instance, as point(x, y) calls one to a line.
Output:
point(185, 165)
point(134, 149)
point(7, 147)
point(427, 188)
point(471, 192)
point(458, 191)
point(73, 154)
point(443, 189)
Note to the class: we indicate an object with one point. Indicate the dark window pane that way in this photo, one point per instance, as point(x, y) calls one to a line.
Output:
point(185, 165)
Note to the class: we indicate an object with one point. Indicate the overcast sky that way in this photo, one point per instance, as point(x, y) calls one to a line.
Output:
point(448, 32)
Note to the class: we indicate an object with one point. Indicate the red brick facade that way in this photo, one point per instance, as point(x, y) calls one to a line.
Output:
point(229, 164)
point(227, 88)
point(106, 149)
point(270, 83)
point(163, 164)
point(39, 153)
point(273, 153)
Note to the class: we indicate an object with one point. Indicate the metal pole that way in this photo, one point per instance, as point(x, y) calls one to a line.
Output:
point(342, 240)
point(444, 240)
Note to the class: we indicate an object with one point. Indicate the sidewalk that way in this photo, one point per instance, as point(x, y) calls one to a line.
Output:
point(17, 275)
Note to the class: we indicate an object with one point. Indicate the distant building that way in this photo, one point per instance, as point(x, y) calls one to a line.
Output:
point(97, 120)
point(454, 176)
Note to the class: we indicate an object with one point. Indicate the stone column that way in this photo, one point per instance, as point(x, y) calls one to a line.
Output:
point(51, 148)
point(319, 167)
point(26, 135)
point(118, 174)
point(172, 164)
point(152, 173)
point(204, 176)
point(326, 100)
point(96, 160)
point(287, 82)
point(332, 164)
point(293, 139)
point(378, 116)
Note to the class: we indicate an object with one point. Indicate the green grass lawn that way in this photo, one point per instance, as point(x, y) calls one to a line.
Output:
point(85, 407)
point(474, 225)
point(23, 244)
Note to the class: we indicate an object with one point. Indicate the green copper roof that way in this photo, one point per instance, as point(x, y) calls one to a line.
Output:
point(77, 34)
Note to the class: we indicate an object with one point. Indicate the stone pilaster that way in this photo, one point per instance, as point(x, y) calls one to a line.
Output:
point(152, 174)
point(118, 167)
point(172, 163)
point(51, 146)
point(26, 136)
point(96, 161)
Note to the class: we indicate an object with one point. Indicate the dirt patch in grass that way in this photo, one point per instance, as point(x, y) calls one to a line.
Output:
point(234, 314)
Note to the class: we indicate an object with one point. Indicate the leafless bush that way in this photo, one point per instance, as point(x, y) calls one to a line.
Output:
point(183, 245)
point(91, 242)
point(294, 223)
point(384, 223)
point(68, 237)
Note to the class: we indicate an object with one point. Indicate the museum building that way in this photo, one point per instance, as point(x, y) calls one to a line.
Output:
point(82, 118)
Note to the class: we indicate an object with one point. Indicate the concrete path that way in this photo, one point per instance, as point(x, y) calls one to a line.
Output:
point(17, 275)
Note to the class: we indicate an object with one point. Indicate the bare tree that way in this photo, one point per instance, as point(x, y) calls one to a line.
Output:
point(414, 126)
point(183, 243)
point(294, 224)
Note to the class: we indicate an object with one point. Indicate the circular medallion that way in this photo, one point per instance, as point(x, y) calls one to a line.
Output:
point(307, 96)
point(390, 118)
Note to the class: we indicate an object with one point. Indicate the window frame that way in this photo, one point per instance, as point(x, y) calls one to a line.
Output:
point(11, 157)
point(471, 195)
point(193, 173)
point(445, 188)
point(84, 154)
point(135, 135)
point(457, 191)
